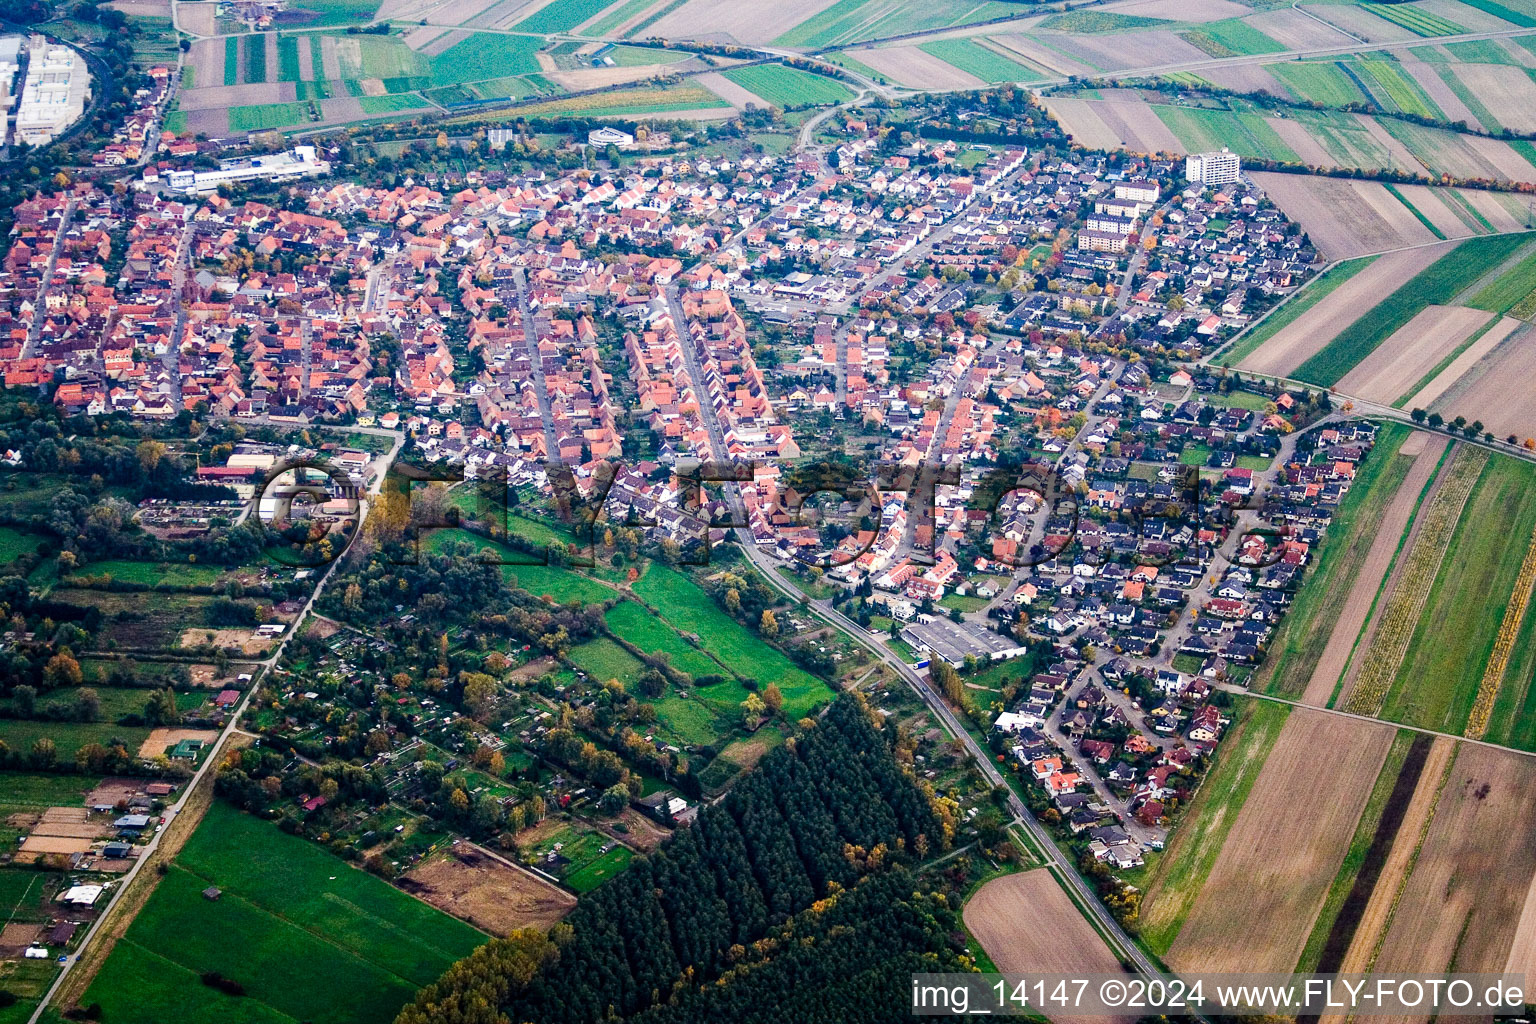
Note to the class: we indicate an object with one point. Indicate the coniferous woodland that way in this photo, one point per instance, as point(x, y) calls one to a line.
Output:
point(829, 809)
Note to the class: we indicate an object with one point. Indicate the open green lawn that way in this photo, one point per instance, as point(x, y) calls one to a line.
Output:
point(1175, 877)
point(1310, 295)
point(116, 701)
point(652, 635)
point(303, 919)
point(602, 659)
point(1441, 672)
point(985, 63)
point(15, 543)
point(594, 873)
point(337, 12)
point(1305, 630)
point(540, 580)
point(1318, 81)
point(1231, 38)
point(789, 87)
point(691, 610)
point(1437, 284)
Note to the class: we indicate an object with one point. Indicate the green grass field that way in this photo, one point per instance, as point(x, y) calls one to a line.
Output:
point(602, 659)
point(1397, 91)
point(1317, 81)
point(1231, 38)
point(540, 580)
point(616, 16)
point(1174, 879)
point(288, 59)
point(789, 87)
point(1245, 133)
point(24, 790)
point(303, 919)
point(337, 12)
point(1513, 722)
point(175, 574)
point(561, 15)
point(688, 608)
point(20, 733)
point(1314, 292)
point(116, 701)
point(266, 116)
point(1414, 19)
point(232, 60)
point(975, 59)
point(255, 58)
point(1500, 294)
point(1305, 630)
point(1441, 671)
point(1100, 21)
point(650, 634)
point(15, 543)
point(1437, 284)
point(848, 21)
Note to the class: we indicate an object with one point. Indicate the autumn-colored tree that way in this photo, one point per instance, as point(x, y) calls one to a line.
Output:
point(773, 698)
point(769, 626)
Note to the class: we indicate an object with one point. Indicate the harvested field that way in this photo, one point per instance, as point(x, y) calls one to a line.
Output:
point(1311, 332)
point(1179, 10)
point(1462, 365)
point(1504, 90)
point(1497, 390)
point(729, 91)
point(1027, 924)
point(416, 38)
point(206, 58)
point(1283, 853)
point(157, 741)
point(1426, 450)
point(1081, 120)
point(1046, 57)
point(1296, 31)
point(1131, 118)
point(1244, 78)
point(1345, 218)
point(1411, 352)
point(490, 893)
point(306, 59)
point(916, 68)
point(330, 57)
point(1436, 206)
point(443, 42)
point(1399, 859)
point(1463, 902)
point(1302, 142)
point(744, 23)
point(72, 829)
point(1119, 50)
point(341, 108)
point(236, 95)
point(1494, 210)
point(214, 121)
point(593, 78)
point(1361, 22)
point(199, 19)
point(1438, 90)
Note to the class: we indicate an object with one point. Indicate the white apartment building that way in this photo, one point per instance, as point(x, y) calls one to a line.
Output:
point(1213, 168)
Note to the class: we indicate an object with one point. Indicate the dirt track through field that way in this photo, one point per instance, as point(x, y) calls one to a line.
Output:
point(1284, 850)
point(1311, 332)
point(1411, 352)
point(1426, 450)
point(1027, 924)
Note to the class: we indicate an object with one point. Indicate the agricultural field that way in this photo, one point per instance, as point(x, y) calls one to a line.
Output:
point(1416, 20)
point(650, 634)
point(489, 893)
point(1309, 295)
point(1026, 922)
point(788, 87)
point(1319, 82)
point(581, 857)
point(974, 57)
point(1291, 848)
point(302, 916)
point(849, 21)
point(1232, 38)
point(1174, 878)
point(1437, 284)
